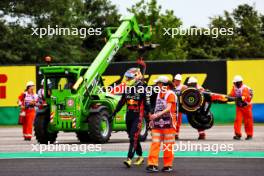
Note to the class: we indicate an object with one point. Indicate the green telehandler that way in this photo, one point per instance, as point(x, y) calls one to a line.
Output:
point(75, 102)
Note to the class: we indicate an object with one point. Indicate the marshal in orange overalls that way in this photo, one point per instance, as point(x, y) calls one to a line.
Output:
point(243, 110)
point(28, 101)
point(163, 131)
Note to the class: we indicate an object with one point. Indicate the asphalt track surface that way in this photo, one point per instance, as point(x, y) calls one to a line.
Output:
point(114, 167)
point(12, 141)
point(17, 158)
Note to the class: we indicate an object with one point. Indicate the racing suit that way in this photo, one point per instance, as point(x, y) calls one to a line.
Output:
point(138, 103)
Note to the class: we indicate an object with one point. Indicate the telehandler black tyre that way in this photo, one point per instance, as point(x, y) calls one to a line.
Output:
point(42, 134)
point(83, 136)
point(100, 127)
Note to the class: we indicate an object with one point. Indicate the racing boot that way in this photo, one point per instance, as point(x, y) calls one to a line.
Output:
point(128, 162)
point(139, 161)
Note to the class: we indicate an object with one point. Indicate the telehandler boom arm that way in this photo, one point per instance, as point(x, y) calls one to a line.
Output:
point(128, 32)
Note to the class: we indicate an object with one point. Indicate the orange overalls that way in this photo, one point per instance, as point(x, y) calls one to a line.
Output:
point(163, 130)
point(178, 90)
point(24, 100)
point(243, 110)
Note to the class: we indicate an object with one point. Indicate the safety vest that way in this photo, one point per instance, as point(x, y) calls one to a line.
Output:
point(27, 98)
point(239, 91)
point(165, 121)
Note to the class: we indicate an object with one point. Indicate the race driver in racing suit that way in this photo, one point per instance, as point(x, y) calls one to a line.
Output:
point(137, 102)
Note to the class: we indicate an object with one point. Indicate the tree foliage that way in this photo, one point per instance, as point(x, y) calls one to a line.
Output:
point(169, 48)
point(18, 46)
point(247, 40)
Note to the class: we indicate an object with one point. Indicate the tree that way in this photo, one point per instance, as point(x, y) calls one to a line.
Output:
point(250, 40)
point(20, 46)
point(102, 14)
point(247, 41)
point(150, 13)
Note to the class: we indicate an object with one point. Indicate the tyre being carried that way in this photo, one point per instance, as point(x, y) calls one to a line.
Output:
point(196, 104)
point(201, 121)
point(191, 100)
